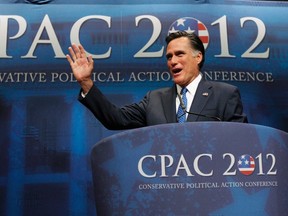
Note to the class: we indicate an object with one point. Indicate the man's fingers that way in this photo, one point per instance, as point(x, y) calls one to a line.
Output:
point(81, 51)
point(90, 59)
point(77, 52)
point(72, 53)
point(69, 59)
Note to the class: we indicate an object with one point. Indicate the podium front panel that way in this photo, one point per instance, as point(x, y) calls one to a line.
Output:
point(196, 168)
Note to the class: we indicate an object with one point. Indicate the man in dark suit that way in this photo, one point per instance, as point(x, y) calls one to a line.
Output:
point(200, 100)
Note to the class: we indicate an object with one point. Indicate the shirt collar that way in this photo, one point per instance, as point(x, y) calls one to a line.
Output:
point(192, 86)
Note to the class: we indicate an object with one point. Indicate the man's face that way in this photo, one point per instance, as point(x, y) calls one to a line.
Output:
point(182, 61)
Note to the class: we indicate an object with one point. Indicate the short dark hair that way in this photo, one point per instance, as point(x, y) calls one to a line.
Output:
point(195, 42)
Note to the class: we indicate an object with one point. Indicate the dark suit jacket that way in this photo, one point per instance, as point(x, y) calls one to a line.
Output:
point(212, 99)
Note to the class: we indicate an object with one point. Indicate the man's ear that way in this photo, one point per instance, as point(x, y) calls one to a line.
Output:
point(199, 57)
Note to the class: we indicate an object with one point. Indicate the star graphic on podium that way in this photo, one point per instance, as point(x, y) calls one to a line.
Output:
point(126, 163)
point(245, 204)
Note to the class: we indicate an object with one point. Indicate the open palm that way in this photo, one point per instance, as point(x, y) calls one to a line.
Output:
point(81, 65)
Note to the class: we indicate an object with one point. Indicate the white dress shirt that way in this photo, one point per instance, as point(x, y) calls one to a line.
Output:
point(192, 87)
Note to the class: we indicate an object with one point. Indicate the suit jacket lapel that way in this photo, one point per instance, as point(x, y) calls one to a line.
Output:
point(201, 97)
point(169, 104)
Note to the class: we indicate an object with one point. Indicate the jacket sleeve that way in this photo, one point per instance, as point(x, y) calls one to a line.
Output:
point(234, 108)
point(111, 116)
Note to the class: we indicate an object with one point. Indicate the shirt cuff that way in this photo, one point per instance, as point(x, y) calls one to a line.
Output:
point(83, 95)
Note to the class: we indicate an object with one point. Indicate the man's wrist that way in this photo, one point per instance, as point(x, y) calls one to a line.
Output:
point(86, 86)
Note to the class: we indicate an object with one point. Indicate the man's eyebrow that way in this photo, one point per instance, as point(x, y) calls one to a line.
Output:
point(168, 55)
point(179, 52)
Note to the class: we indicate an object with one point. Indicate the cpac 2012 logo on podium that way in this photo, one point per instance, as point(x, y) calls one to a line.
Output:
point(152, 166)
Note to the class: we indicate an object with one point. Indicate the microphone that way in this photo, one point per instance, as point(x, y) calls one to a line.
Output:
point(183, 107)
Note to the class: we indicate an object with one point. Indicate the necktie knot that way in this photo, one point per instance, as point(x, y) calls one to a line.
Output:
point(183, 91)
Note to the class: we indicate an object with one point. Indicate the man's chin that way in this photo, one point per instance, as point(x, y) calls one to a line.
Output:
point(178, 81)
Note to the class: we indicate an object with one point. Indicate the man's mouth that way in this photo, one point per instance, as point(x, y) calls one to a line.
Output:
point(176, 70)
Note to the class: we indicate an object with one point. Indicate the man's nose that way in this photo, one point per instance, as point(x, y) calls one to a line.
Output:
point(174, 60)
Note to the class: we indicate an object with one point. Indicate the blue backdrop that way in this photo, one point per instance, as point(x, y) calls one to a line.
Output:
point(46, 134)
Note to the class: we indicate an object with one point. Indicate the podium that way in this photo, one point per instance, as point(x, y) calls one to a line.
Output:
point(199, 168)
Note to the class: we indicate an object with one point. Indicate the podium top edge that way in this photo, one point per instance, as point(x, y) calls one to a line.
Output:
point(192, 124)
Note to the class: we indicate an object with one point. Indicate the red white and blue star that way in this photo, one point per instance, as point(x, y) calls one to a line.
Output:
point(191, 25)
point(246, 164)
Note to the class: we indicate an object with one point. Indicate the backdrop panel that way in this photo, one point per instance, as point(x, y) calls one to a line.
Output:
point(46, 135)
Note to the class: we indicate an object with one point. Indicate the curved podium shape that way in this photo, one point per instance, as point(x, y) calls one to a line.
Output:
point(200, 168)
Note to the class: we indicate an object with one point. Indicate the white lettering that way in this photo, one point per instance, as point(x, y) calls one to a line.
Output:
point(196, 165)
point(74, 34)
point(52, 39)
point(18, 77)
point(140, 166)
point(164, 165)
point(239, 76)
point(4, 32)
point(184, 166)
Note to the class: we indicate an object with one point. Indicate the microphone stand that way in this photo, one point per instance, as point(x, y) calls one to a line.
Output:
point(183, 107)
